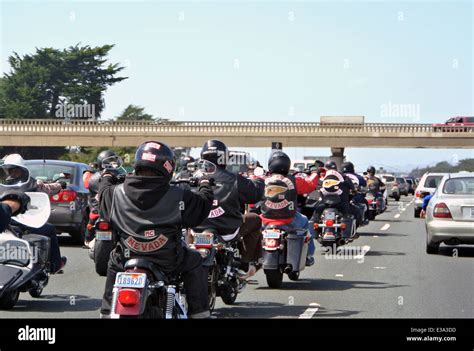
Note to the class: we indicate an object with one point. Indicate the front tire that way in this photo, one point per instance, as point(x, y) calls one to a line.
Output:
point(417, 212)
point(294, 276)
point(274, 278)
point(9, 300)
point(229, 295)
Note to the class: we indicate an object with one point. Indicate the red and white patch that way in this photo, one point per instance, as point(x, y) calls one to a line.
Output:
point(148, 156)
point(153, 145)
point(168, 166)
point(149, 233)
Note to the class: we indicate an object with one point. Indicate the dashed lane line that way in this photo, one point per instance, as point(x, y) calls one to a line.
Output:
point(309, 313)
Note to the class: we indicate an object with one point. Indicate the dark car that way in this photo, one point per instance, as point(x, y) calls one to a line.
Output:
point(69, 209)
point(411, 184)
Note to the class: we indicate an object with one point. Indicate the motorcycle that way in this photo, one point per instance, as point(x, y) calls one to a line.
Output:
point(377, 205)
point(222, 259)
point(334, 229)
point(284, 251)
point(101, 246)
point(145, 291)
point(103, 242)
point(24, 259)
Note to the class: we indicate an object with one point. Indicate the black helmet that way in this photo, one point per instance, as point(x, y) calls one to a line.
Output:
point(371, 170)
point(330, 165)
point(104, 155)
point(215, 151)
point(279, 163)
point(348, 167)
point(156, 156)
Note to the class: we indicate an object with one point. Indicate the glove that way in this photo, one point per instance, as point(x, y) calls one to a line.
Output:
point(110, 173)
point(63, 184)
point(20, 197)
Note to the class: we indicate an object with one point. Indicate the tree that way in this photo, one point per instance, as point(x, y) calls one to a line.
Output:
point(42, 84)
point(134, 113)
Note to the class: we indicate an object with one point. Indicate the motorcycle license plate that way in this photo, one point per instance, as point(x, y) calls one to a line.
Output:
point(130, 280)
point(203, 239)
point(330, 215)
point(103, 236)
point(271, 234)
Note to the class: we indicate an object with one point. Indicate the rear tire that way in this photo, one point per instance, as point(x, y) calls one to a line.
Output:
point(432, 248)
point(212, 285)
point(274, 278)
point(294, 276)
point(371, 215)
point(8, 301)
point(102, 251)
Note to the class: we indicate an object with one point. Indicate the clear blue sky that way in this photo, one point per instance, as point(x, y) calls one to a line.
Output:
point(271, 61)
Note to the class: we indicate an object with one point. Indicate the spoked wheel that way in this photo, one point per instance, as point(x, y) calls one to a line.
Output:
point(212, 285)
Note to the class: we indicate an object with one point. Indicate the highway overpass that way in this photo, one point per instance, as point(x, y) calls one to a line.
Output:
point(234, 134)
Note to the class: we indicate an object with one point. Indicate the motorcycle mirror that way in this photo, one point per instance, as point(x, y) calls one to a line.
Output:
point(38, 210)
point(207, 167)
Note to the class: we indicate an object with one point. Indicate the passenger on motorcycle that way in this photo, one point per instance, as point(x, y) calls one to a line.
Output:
point(231, 193)
point(335, 192)
point(374, 184)
point(14, 172)
point(12, 203)
point(280, 199)
point(359, 183)
point(147, 215)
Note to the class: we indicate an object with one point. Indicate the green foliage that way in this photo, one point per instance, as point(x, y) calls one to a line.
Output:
point(134, 113)
point(463, 165)
point(40, 83)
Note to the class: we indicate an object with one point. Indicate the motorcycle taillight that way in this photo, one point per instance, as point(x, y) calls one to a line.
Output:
point(129, 297)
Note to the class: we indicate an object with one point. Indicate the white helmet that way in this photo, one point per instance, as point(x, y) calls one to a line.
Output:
point(14, 172)
point(14, 160)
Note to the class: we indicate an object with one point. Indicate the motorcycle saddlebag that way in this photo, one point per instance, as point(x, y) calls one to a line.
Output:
point(40, 245)
point(8, 275)
point(297, 250)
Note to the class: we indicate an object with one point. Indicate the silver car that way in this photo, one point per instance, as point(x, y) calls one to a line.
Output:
point(427, 185)
point(450, 212)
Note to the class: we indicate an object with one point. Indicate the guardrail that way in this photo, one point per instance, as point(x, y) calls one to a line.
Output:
point(47, 126)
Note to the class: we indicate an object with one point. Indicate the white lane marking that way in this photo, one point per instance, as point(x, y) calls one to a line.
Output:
point(339, 275)
point(365, 249)
point(380, 267)
point(397, 215)
point(403, 209)
point(309, 313)
point(385, 227)
point(375, 236)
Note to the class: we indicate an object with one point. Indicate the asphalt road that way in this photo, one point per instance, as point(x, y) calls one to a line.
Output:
point(384, 274)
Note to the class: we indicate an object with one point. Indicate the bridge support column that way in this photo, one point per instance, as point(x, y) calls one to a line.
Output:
point(337, 155)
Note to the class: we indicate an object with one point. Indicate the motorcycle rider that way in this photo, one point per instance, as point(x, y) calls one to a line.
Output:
point(15, 171)
point(336, 185)
point(281, 188)
point(12, 203)
point(91, 181)
point(230, 193)
point(359, 182)
point(375, 184)
point(145, 208)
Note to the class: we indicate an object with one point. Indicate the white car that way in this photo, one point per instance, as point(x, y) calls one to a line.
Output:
point(428, 184)
point(450, 212)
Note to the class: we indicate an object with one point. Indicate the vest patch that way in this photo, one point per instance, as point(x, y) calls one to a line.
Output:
point(146, 246)
point(217, 212)
point(277, 205)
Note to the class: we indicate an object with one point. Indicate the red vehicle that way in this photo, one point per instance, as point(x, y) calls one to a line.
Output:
point(456, 124)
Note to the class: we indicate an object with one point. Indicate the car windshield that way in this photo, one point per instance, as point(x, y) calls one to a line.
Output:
point(51, 173)
point(432, 181)
point(470, 119)
point(459, 186)
point(389, 179)
point(401, 180)
point(409, 181)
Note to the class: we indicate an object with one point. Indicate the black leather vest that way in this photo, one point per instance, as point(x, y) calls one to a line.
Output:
point(280, 198)
point(225, 216)
point(152, 232)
